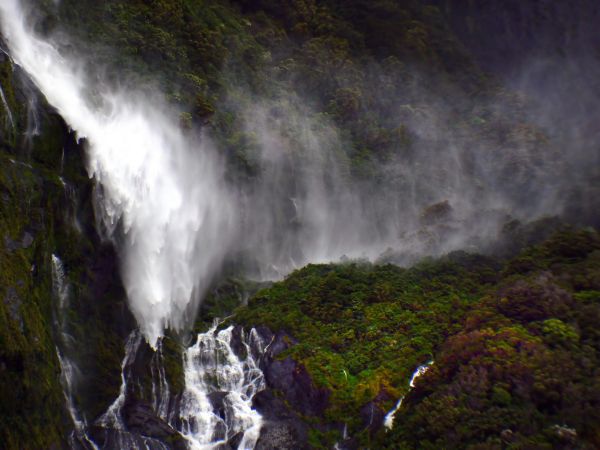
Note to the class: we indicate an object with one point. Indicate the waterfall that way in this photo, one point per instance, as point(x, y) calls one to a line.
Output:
point(68, 369)
point(218, 380)
point(71, 209)
point(216, 405)
point(119, 436)
point(112, 417)
point(33, 117)
point(161, 193)
point(388, 421)
point(9, 117)
point(60, 285)
point(160, 386)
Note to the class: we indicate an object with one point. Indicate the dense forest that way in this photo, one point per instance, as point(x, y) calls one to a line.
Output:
point(299, 224)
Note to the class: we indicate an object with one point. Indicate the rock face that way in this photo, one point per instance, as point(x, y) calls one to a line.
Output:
point(291, 378)
point(140, 418)
point(46, 210)
point(290, 393)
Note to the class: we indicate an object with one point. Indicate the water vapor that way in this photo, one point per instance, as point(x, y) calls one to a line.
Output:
point(161, 193)
point(453, 171)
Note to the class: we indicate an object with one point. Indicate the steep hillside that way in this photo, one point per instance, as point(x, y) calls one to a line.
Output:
point(392, 188)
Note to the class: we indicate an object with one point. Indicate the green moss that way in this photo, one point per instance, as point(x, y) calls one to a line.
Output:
point(31, 400)
point(173, 363)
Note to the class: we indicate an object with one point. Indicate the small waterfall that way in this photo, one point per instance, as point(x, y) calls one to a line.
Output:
point(68, 369)
point(160, 386)
point(60, 285)
point(216, 404)
point(388, 421)
point(70, 214)
point(216, 379)
point(33, 117)
point(9, 117)
point(78, 437)
point(112, 417)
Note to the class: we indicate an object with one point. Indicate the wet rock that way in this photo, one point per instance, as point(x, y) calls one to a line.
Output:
point(283, 426)
point(13, 305)
point(237, 342)
point(140, 418)
point(293, 380)
point(271, 407)
point(372, 416)
point(12, 245)
point(27, 240)
point(110, 438)
point(281, 435)
point(217, 400)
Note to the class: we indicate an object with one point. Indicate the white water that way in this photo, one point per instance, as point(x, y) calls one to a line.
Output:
point(160, 386)
point(212, 371)
point(33, 117)
point(162, 196)
point(388, 421)
point(68, 370)
point(61, 286)
point(112, 417)
point(9, 116)
point(161, 189)
point(211, 367)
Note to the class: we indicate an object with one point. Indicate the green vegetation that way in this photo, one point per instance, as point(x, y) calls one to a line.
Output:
point(37, 219)
point(515, 342)
point(31, 400)
point(515, 347)
point(320, 59)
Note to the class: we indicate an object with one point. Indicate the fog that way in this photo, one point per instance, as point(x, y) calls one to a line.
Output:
point(161, 196)
point(177, 213)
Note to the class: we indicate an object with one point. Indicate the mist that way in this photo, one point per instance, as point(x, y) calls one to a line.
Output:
point(455, 171)
point(161, 197)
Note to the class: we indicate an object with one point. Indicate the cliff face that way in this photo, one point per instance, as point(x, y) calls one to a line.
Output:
point(46, 213)
point(401, 85)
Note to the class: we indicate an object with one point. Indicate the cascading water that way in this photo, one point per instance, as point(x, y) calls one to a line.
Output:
point(160, 385)
point(218, 380)
point(388, 421)
point(68, 369)
point(215, 407)
point(119, 436)
point(9, 117)
point(163, 200)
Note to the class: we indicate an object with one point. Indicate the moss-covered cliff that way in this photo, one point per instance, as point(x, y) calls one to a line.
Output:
point(46, 210)
point(401, 84)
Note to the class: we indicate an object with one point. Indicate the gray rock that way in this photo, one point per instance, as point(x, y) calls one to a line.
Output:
point(27, 240)
point(13, 304)
point(10, 245)
point(281, 435)
point(292, 379)
point(140, 419)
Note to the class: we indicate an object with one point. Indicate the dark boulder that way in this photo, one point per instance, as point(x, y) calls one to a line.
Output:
point(292, 379)
point(281, 435)
point(140, 418)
